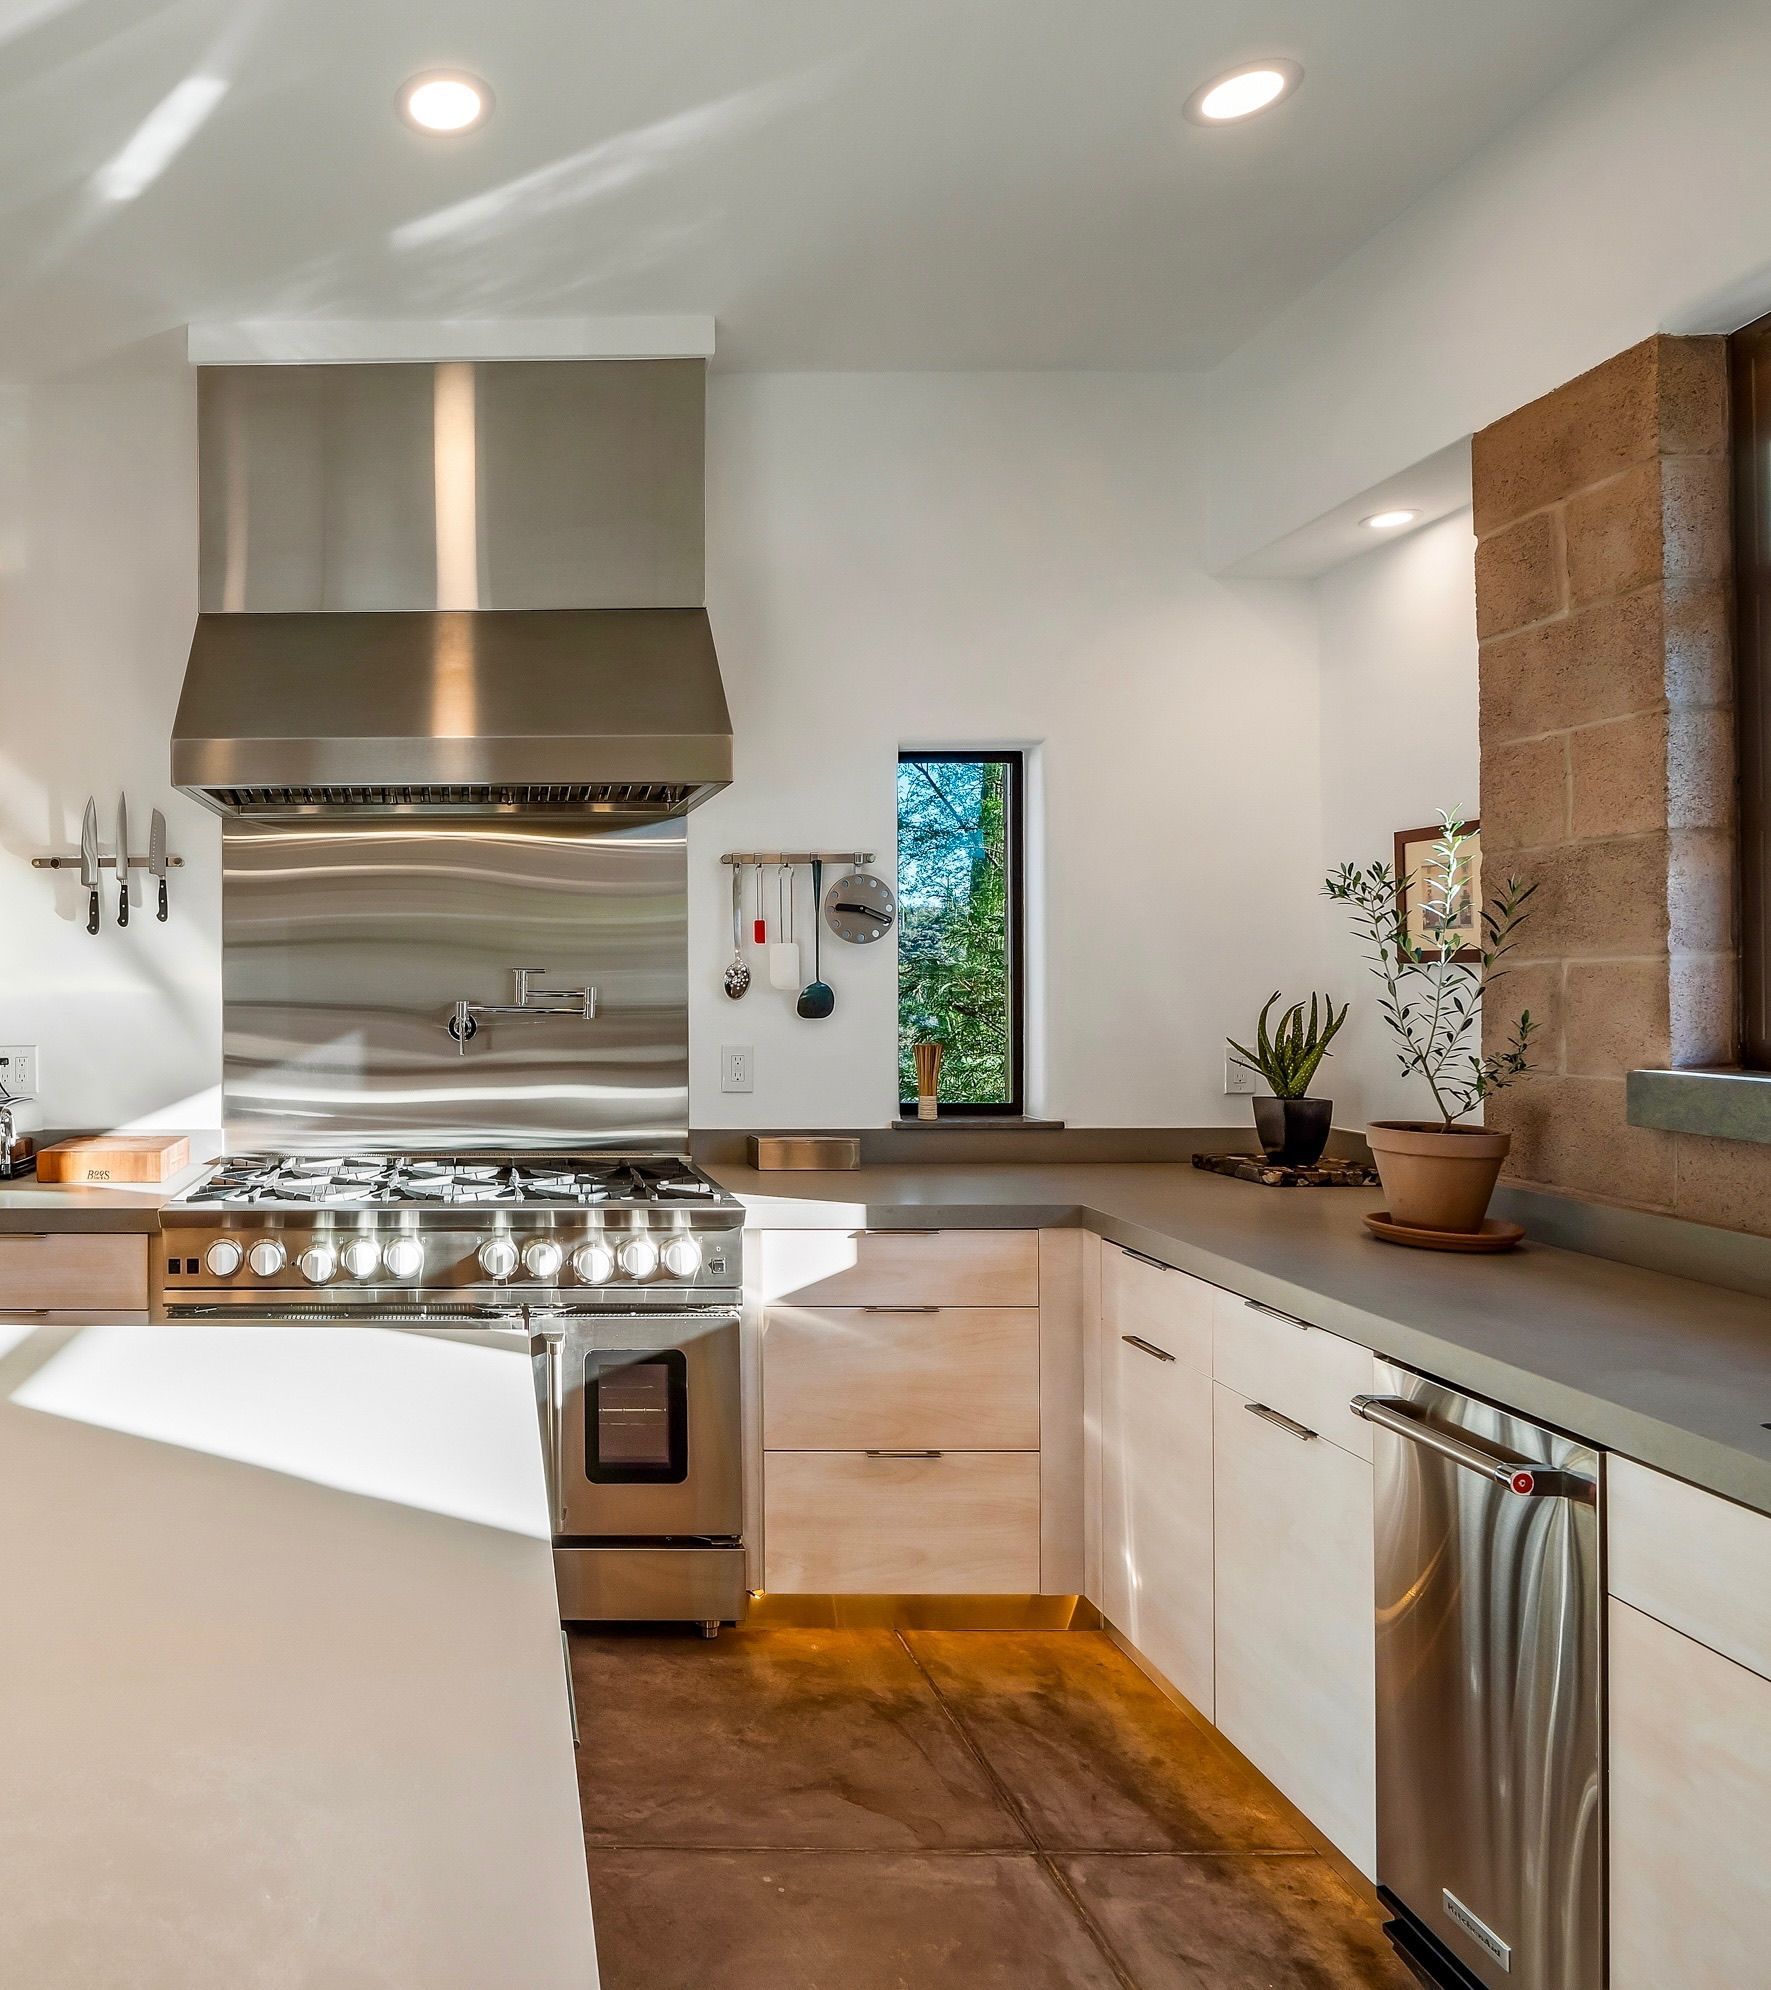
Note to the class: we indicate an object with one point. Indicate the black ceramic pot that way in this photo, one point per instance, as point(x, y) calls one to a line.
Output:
point(1293, 1132)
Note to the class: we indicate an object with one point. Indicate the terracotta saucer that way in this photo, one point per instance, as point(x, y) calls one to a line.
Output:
point(1493, 1235)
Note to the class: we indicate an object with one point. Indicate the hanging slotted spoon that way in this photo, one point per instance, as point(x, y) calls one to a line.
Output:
point(737, 977)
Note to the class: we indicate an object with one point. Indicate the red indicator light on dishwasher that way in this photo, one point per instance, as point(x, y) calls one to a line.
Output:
point(1523, 1482)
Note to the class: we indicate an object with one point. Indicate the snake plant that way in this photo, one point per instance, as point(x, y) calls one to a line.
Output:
point(1288, 1056)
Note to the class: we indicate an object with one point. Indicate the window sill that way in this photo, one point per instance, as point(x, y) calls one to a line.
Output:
point(1727, 1105)
point(977, 1122)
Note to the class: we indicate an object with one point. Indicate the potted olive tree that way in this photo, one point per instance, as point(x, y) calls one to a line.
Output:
point(1292, 1129)
point(1438, 1174)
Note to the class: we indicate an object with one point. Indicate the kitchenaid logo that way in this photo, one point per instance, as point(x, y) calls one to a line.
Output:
point(1478, 1931)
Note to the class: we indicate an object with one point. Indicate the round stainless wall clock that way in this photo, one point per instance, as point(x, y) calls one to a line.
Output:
point(860, 907)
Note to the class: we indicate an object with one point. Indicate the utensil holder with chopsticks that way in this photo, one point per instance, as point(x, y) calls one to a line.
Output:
point(928, 1078)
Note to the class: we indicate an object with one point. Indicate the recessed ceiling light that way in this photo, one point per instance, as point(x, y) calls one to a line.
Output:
point(1257, 86)
point(445, 101)
point(1387, 521)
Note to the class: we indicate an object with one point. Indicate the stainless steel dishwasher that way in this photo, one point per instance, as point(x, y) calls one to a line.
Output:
point(1490, 1788)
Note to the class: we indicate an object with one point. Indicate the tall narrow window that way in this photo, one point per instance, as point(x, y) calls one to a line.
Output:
point(960, 975)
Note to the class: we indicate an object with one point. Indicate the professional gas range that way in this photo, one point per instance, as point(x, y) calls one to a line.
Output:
point(355, 1235)
point(626, 1273)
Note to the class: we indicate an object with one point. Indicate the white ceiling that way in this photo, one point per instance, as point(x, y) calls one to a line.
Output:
point(845, 183)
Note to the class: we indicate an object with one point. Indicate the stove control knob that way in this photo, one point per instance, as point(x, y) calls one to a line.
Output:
point(543, 1258)
point(318, 1262)
point(224, 1257)
point(404, 1258)
point(267, 1257)
point(362, 1257)
point(594, 1263)
point(682, 1257)
point(639, 1257)
point(498, 1257)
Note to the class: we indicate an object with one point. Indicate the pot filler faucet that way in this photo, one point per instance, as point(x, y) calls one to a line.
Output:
point(534, 1003)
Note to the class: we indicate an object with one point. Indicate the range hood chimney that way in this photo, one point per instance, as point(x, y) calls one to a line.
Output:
point(468, 588)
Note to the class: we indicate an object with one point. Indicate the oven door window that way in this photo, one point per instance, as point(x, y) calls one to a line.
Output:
point(636, 1417)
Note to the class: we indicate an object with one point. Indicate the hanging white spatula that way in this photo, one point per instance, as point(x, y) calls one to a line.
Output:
point(784, 953)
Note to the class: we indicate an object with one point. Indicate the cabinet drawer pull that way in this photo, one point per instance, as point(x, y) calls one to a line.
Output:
point(900, 1309)
point(1146, 1347)
point(903, 1454)
point(894, 1233)
point(1283, 1423)
point(1144, 1257)
point(1273, 1313)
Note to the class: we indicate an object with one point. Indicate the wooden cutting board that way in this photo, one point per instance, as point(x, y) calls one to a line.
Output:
point(115, 1157)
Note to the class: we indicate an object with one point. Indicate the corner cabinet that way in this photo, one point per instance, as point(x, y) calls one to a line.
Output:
point(1232, 1537)
point(1155, 1466)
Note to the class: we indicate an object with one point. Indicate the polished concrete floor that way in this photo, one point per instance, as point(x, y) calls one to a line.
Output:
point(870, 1810)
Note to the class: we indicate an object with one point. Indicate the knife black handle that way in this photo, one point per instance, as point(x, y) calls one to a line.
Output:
point(161, 914)
point(122, 891)
point(92, 912)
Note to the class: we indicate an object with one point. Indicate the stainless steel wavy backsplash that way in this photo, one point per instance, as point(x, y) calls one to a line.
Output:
point(346, 948)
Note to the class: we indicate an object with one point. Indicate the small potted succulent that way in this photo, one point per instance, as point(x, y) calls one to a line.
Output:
point(1438, 1175)
point(1292, 1129)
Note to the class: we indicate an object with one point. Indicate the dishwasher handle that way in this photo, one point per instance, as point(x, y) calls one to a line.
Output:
point(1517, 1475)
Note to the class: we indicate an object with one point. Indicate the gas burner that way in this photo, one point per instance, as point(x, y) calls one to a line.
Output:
point(457, 1181)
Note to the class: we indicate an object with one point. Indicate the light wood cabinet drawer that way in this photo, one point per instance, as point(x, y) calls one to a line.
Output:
point(902, 1267)
point(73, 1270)
point(1697, 1562)
point(1690, 1812)
point(956, 1378)
point(1170, 1309)
point(1295, 1641)
point(1300, 1371)
point(844, 1523)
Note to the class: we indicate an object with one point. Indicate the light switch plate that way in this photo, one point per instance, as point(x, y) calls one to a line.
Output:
point(737, 1067)
point(18, 1069)
point(1239, 1080)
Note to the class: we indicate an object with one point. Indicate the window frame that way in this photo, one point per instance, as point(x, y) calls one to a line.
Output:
point(1014, 760)
point(1749, 361)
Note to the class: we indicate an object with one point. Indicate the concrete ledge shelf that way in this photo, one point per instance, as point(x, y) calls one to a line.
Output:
point(1730, 1105)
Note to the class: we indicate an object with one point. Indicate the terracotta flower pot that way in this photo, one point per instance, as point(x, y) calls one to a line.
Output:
point(1293, 1132)
point(1434, 1179)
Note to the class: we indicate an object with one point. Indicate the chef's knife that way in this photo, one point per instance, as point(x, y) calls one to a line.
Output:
point(89, 862)
point(157, 857)
point(122, 861)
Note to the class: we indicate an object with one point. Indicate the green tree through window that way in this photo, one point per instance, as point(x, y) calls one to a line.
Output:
point(959, 895)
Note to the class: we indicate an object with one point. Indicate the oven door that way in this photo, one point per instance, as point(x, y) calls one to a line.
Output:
point(645, 1425)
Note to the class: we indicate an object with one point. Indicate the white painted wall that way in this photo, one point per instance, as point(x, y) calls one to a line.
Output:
point(1635, 199)
point(1003, 560)
point(1398, 647)
point(892, 560)
point(98, 592)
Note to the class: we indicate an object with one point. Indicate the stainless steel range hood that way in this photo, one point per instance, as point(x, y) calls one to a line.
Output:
point(464, 588)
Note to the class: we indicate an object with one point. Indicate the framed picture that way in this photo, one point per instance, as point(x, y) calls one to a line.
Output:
point(1414, 853)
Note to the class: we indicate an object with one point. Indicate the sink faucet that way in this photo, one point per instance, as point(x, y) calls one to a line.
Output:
point(534, 1003)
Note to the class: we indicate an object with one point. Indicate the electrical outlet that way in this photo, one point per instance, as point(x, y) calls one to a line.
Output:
point(1238, 1079)
point(18, 1069)
point(737, 1067)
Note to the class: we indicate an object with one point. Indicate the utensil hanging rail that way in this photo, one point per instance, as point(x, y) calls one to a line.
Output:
point(855, 857)
point(104, 863)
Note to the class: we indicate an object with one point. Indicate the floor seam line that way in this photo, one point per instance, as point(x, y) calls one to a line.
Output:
point(1006, 1797)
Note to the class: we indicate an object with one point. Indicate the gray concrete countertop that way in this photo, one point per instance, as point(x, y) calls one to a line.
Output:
point(28, 1204)
point(1666, 1370)
point(284, 1698)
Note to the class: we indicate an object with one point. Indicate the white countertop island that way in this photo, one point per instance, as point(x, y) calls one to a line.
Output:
point(282, 1696)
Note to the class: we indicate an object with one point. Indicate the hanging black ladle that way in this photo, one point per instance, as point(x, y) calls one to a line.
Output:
point(817, 998)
